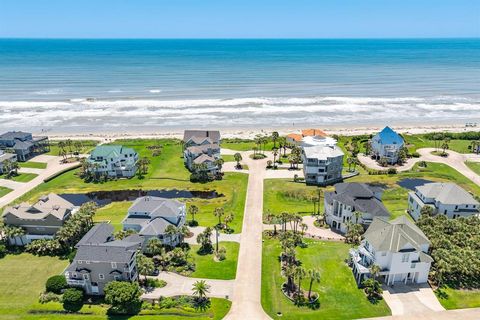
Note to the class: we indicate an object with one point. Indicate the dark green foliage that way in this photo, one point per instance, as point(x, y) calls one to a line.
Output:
point(56, 284)
point(72, 300)
point(124, 297)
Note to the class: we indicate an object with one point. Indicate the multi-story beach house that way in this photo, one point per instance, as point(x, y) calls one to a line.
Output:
point(309, 138)
point(6, 158)
point(101, 259)
point(151, 216)
point(387, 145)
point(353, 202)
point(114, 161)
point(24, 144)
point(40, 220)
point(444, 198)
point(201, 148)
point(399, 248)
point(322, 164)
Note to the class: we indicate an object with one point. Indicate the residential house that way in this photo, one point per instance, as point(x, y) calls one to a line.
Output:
point(40, 220)
point(4, 158)
point(387, 145)
point(114, 161)
point(150, 217)
point(100, 259)
point(399, 248)
point(322, 165)
point(24, 144)
point(353, 202)
point(445, 198)
point(309, 138)
point(201, 147)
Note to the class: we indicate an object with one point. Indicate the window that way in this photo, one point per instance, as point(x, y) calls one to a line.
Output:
point(405, 257)
point(85, 276)
point(114, 265)
point(117, 278)
point(101, 276)
point(87, 262)
point(74, 274)
point(80, 261)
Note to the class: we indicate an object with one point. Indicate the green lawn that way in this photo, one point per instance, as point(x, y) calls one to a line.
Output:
point(114, 213)
point(87, 146)
point(23, 279)
point(33, 164)
point(4, 191)
point(21, 177)
point(339, 296)
point(166, 171)
point(243, 145)
point(206, 267)
point(474, 166)
point(419, 141)
point(458, 299)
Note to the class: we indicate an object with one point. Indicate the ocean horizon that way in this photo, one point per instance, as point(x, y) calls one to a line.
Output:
point(78, 85)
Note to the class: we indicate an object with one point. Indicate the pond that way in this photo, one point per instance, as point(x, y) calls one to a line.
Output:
point(412, 183)
point(103, 198)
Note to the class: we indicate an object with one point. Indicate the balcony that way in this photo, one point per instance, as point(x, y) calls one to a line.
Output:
point(75, 282)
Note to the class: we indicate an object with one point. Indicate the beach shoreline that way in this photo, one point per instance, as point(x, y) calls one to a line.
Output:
point(250, 133)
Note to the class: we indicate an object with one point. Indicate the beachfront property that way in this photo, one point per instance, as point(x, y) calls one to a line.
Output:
point(322, 164)
point(355, 203)
point(40, 220)
point(101, 259)
point(6, 158)
point(398, 247)
point(444, 198)
point(24, 144)
point(151, 216)
point(387, 145)
point(115, 161)
point(309, 138)
point(201, 149)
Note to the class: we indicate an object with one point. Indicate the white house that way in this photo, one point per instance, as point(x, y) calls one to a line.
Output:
point(322, 165)
point(4, 157)
point(113, 160)
point(398, 247)
point(310, 137)
point(353, 202)
point(150, 217)
point(387, 144)
point(445, 198)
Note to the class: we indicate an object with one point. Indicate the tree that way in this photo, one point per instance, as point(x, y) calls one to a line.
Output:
point(193, 210)
point(200, 289)
point(314, 276)
point(72, 300)
point(145, 265)
point(238, 157)
point(300, 274)
point(171, 232)
point(373, 289)
point(350, 162)
point(444, 146)
point(375, 271)
point(154, 247)
point(227, 219)
point(427, 210)
point(275, 153)
point(219, 212)
point(204, 239)
point(56, 284)
point(274, 138)
point(354, 233)
point(123, 296)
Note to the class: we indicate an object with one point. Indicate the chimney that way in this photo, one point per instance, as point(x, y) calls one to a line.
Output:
point(208, 134)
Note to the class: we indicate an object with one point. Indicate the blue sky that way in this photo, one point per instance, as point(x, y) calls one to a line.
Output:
point(239, 18)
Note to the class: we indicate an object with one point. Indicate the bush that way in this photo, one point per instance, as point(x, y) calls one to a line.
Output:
point(155, 283)
point(124, 297)
point(415, 154)
point(47, 297)
point(222, 254)
point(392, 171)
point(3, 250)
point(72, 300)
point(56, 284)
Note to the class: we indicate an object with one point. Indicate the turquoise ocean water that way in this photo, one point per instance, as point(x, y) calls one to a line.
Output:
point(77, 85)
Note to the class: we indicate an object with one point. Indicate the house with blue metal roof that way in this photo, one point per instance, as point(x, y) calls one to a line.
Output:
point(387, 145)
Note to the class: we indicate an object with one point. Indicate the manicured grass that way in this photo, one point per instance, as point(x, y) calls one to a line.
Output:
point(243, 145)
point(53, 310)
point(419, 141)
point(22, 279)
point(33, 164)
point(474, 166)
point(228, 158)
point(339, 296)
point(206, 267)
point(87, 146)
point(166, 171)
point(458, 299)
point(114, 212)
point(21, 177)
point(4, 191)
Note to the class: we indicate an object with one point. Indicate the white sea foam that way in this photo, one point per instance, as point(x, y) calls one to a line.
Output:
point(48, 92)
point(239, 111)
point(155, 91)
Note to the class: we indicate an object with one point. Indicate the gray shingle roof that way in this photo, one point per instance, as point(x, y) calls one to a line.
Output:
point(155, 227)
point(447, 193)
point(359, 196)
point(213, 135)
point(385, 235)
point(156, 207)
point(6, 156)
point(204, 148)
point(11, 135)
point(51, 204)
point(322, 152)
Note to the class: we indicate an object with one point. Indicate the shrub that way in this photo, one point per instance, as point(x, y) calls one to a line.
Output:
point(3, 250)
point(392, 171)
point(415, 154)
point(56, 284)
point(222, 254)
point(124, 297)
point(47, 297)
point(72, 300)
point(155, 283)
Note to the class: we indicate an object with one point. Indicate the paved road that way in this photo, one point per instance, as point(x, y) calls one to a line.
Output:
point(246, 300)
point(462, 314)
point(179, 285)
point(53, 166)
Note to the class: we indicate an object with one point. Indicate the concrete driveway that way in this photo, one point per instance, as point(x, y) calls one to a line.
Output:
point(411, 299)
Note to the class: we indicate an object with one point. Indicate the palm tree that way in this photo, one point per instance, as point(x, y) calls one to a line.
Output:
point(227, 219)
point(374, 271)
point(193, 210)
point(219, 163)
point(274, 138)
point(275, 153)
point(289, 271)
point(350, 162)
point(238, 157)
point(154, 246)
point(314, 275)
point(219, 212)
point(171, 232)
point(300, 273)
point(200, 289)
point(145, 265)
